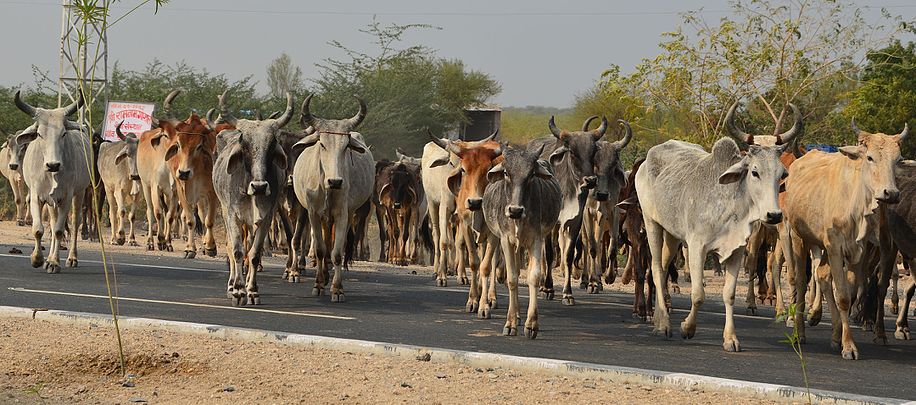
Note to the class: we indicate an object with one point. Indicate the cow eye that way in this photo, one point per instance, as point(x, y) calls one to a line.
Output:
point(754, 172)
point(870, 159)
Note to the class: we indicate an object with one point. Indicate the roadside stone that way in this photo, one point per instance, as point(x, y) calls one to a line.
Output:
point(441, 375)
point(424, 357)
point(137, 400)
point(228, 388)
point(406, 385)
point(128, 384)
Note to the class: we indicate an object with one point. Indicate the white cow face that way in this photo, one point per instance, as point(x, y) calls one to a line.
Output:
point(759, 172)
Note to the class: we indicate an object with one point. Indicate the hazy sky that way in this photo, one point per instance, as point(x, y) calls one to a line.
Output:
point(542, 52)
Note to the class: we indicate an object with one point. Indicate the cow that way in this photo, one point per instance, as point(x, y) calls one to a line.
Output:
point(118, 171)
point(468, 182)
point(831, 205)
point(156, 180)
point(435, 167)
point(898, 235)
point(333, 177)
point(420, 237)
point(190, 163)
point(11, 154)
point(600, 214)
point(398, 195)
point(56, 172)
point(249, 176)
point(572, 157)
point(521, 205)
point(710, 201)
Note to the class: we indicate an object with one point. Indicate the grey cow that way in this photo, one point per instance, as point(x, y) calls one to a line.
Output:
point(521, 205)
point(56, 171)
point(11, 154)
point(118, 170)
point(333, 177)
point(249, 176)
point(710, 201)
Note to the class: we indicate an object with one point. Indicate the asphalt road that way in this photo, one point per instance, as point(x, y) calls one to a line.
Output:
point(410, 309)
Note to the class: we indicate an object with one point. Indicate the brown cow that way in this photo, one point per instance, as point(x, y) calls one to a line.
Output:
point(156, 182)
point(396, 185)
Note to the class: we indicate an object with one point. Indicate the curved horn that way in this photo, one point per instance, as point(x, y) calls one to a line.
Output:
point(588, 122)
point(491, 137)
point(360, 115)
point(167, 103)
point(498, 151)
point(787, 136)
point(121, 135)
point(259, 116)
point(855, 128)
point(288, 114)
point(602, 129)
point(70, 109)
point(307, 119)
point(211, 119)
point(733, 129)
point(224, 113)
point(539, 151)
point(448, 146)
point(274, 115)
point(23, 106)
point(627, 136)
point(553, 128)
point(906, 131)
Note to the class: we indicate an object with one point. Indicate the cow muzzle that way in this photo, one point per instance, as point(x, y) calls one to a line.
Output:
point(474, 204)
point(397, 205)
point(515, 212)
point(590, 181)
point(186, 174)
point(774, 218)
point(335, 183)
point(14, 166)
point(890, 196)
point(53, 167)
point(135, 177)
point(258, 188)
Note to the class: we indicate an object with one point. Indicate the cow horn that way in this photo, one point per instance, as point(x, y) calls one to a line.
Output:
point(787, 136)
point(167, 104)
point(274, 115)
point(70, 109)
point(540, 150)
point(491, 137)
point(627, 136)
point(855, 128)
point(360, 115)
point(259, 116)
point(211, 119)
point(906, 131)
point(288, 114)
point(733, 129)
point(448, 146)
point(118, 131)
point(307, 119)
point(602, 129)
point(224, 113)
point(309, 130)
point(23, 106)
point(553, 128)
point(498, 151)
point(588, 122)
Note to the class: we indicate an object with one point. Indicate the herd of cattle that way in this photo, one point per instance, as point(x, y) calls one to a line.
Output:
point(483, 209)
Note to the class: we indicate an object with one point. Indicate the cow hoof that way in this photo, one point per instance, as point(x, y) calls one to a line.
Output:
point(52, 268)
point(120, 241)
point(316, 292)
point(850, 354)
point(237, 301)
point(835, 346)
point(211, 252)
point(294, 278)
point(260, 268)
point(731, 346)
point(62, 247)
point(568, 300)
point(549, 295)
point(790, 322)
point(169, 248)
point(20, 223)
point(254, 298)
point(510, 331)
point(751, 311)
point(664, 331)
point(471, 306)
point(815, 318)
point(902, 334)
point(675, 289)
point(190, 254)
point(133, 243)
point(72, 262)
point(37, 261)
point(463, 280)
point(880, 340)
point(150, 247)
point(338, 297)
point(531, 333)
point(483, 313)
point(687, 331)
point(441, 282)
point(583, 285)
point(492, 303)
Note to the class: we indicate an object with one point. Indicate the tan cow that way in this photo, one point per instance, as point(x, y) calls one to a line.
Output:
point(831, 201)
point(118, 169)
point(156, 182)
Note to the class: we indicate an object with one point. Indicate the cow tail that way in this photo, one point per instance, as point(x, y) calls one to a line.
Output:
point(349, 247)
point(426, 236)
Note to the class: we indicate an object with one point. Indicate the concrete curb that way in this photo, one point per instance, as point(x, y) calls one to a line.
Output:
point(475, 359)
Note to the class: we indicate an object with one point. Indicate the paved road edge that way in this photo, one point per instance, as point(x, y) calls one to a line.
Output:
point(477, 359)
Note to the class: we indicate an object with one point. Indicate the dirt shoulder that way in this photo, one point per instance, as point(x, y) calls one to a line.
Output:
point(54, 363)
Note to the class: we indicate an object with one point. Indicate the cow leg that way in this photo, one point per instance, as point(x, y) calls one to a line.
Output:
point(119, 199)
point(58, 222)
point(38, 231)
point(337, 253)
point(686, 269)
point(903, 327)
point(113, 217)
point(655, 235)
point(151, 219)
point(320, 247)
point(483, 278)
point(775, 265)
point(887, 263)
point(188, 209)
point(171, 219)
point(288, 235)
point(750, 267)
point(535, 260)
point(382, 230)
point(568, 237)
point(843, 282)
point(132, 237)
point(895, 299)
point(438, 221)
point(303, 231)
point(461, 252)
point(732, 265)
point(254, 259)
point(236, 249)
point(77, 216)
point(18, 198)
point(696, 257)
point(511, 326)
point(550, 256)
point(818, 282)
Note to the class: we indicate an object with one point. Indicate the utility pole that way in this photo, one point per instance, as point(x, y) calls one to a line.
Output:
point(87, 63)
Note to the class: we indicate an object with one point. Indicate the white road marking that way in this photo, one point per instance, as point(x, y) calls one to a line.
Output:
point(151, 266)
point(188, 304)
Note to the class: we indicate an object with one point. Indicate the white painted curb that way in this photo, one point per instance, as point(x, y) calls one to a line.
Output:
point(475, 359)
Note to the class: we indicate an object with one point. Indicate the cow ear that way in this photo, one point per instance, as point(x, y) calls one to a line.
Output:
point(542, 170)
point(734, 173)
point(852, 151)
point(157, 139)
point(173, 150)
point(356, 145)
point(558, 154)
point(620, 176)
point(305, 143)
point(280, 158)
point(25, 137)
point(907, 163)
point(121, 155)
point(454, 181)
point(382, 191)
point(235, 158)
point(496, 173)
point(442, 161)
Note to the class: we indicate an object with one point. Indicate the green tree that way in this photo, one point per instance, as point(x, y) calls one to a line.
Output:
point(886, 98)
point(283, 76)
